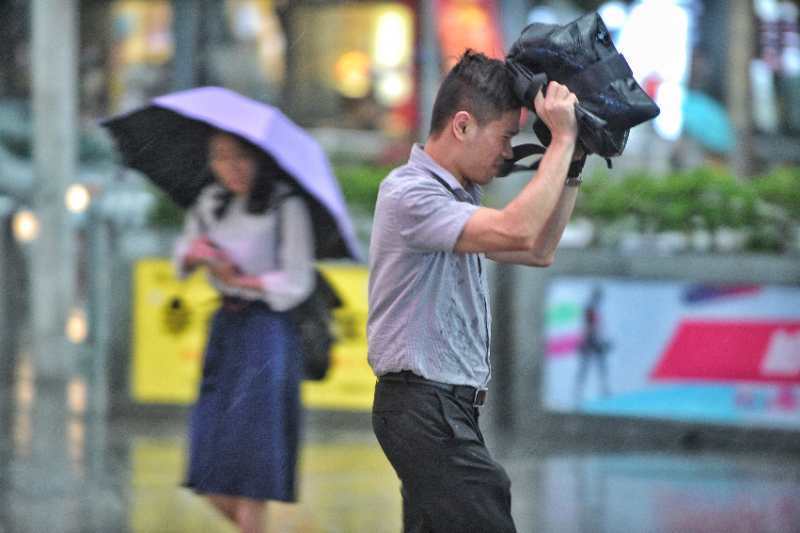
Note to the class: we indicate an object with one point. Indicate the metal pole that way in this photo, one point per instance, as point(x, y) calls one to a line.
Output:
point(99, 251)
point(185, 24)
point(7, 355)
point(739, 99)
point(430, 69)
point(513, 19)
point(54, 43)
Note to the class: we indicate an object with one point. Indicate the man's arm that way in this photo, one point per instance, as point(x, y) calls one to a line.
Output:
point(531, 225)
point(543, 251)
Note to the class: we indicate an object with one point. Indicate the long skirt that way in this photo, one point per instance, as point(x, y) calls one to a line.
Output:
point(244, 427)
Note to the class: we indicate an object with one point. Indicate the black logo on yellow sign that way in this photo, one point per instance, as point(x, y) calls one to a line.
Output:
point(176, 315)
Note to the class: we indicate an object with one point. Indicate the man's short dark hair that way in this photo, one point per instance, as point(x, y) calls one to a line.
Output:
point(477, 84)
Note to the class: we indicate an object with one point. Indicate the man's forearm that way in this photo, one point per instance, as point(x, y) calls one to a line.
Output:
point(543, 251)
point(553, 230)
point(538, 202)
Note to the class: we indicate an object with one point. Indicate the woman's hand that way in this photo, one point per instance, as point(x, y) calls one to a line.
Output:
point(203, 252)
point(228, 273)
point(224, 270)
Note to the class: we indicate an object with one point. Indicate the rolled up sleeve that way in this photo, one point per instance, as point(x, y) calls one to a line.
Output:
point(430, 218)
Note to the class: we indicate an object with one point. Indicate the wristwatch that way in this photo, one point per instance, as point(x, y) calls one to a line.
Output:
point(574, 172)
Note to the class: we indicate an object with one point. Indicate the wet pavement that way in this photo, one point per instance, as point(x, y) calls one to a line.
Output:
point(65, 469)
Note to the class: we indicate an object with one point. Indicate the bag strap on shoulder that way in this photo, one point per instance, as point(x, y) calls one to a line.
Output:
point(322, 286)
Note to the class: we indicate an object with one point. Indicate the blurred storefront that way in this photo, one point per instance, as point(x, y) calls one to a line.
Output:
point(348, 65)
point(363, 64)
point(680, 50)
point(345, 65)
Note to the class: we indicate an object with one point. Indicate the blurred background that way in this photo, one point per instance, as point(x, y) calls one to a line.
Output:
point(682, 263)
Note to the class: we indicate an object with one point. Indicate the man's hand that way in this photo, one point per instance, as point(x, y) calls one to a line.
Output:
point(557, 110)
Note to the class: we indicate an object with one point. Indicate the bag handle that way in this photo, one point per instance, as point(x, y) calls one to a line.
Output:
point(526, 85)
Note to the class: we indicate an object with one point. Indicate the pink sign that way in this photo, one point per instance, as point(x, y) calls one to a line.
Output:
point(766, 351)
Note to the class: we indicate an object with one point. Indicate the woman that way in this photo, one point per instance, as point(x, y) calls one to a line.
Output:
point(253, 232)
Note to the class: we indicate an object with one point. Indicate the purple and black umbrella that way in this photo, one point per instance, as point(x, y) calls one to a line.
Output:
point(167, 141)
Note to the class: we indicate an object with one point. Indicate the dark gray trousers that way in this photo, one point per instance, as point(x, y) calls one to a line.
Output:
point(449, 481)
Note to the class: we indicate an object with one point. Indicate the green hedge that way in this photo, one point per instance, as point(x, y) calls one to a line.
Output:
point(766, 207)
point(360, 184)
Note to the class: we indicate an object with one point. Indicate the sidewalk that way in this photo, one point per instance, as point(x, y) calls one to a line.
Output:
point(62, 471)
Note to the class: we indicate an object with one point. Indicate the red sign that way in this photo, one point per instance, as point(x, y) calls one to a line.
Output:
point(466, 24)
point(732, 351)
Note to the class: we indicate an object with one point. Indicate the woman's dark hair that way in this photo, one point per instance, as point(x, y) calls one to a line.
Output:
point(477, 84)
point(268, 173)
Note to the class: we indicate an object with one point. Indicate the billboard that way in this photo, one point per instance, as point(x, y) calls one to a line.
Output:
point(725, 354)
point(170, 325)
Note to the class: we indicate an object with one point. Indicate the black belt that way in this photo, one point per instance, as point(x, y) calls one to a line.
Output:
point(476, 396)
point(234, 303)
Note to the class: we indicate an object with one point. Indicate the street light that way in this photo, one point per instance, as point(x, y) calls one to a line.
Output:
point(25, 225)
point(77, 198)
point(77, 327)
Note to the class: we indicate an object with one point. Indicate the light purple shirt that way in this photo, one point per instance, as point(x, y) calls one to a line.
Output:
point(428, 310)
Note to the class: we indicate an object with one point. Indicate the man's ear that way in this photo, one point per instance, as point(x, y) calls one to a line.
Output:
point(461, 124)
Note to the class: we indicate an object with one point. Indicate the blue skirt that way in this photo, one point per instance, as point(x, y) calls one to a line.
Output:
point(244, 427)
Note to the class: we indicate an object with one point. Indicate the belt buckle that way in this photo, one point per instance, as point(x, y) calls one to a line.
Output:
point(480, 398)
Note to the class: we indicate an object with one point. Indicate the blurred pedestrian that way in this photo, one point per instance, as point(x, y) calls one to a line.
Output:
point(254, 234)
point(593, 347)
point(429, 320)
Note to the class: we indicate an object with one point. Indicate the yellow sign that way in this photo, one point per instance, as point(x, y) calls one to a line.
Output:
point(350, 383)
point(171, 325)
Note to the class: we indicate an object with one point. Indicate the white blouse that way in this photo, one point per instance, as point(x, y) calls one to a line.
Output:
point(285, 265)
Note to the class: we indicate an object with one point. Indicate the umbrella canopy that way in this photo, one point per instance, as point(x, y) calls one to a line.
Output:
point(707, 121)
point(167, 141)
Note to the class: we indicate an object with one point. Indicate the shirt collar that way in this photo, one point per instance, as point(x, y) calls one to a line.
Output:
point(420, 158)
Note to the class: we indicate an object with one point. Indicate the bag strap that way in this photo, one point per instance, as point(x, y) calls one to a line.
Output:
point(321, 284)
point(453, 192)
point(521, 151)
point(477, 256)
point(444, 184)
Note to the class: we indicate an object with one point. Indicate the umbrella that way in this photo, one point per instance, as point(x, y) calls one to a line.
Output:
point(167, 141)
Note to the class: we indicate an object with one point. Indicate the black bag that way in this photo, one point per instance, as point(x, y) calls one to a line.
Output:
point(581, 56)
point(314, 321)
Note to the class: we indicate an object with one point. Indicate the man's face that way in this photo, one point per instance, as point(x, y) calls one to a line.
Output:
point(487, 147)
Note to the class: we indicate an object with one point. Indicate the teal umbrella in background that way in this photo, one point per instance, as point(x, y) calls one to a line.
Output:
point(706, 121)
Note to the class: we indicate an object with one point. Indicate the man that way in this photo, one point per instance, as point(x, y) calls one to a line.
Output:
point(429, 321)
